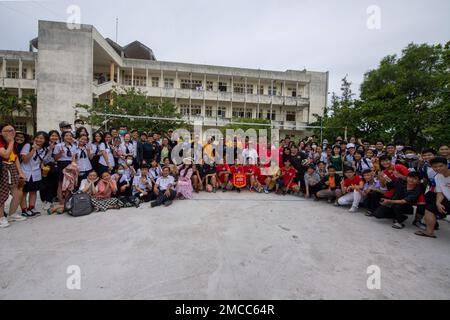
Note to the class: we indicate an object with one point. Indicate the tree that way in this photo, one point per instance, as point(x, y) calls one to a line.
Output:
point(11, 107)
point(133, 102)
point(406, 98)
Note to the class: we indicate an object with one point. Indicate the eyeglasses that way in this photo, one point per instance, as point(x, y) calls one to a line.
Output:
point(8, 131)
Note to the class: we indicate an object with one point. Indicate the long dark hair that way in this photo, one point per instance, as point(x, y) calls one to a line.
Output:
point(51, 132)
point(186, 169)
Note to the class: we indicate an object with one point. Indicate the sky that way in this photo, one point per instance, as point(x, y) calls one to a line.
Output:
point(347, 37)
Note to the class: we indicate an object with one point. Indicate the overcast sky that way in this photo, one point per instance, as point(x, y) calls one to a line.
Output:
point(276, 35)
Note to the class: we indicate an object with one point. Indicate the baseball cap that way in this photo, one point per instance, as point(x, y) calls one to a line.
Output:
point(350, 145)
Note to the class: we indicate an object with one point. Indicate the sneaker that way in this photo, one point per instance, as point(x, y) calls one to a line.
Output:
point(336, 204)
point(214, 190)
point(252, 190)
point(167, 203)
point(34, 213)
point(266, 191)
point(369, 213)
point(224, 189)
point(353, 209)
point(16, 217)
point(419, 224)
point(398, 225)
point(4, 222)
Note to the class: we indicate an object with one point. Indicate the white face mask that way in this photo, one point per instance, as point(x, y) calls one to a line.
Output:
point(120, 171)
point(78, 125)
point(129, 162)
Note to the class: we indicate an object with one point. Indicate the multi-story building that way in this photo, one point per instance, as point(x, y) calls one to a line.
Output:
point(69, 66)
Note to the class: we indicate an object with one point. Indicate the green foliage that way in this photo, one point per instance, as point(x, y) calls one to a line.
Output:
point(405, 99)
point(132, 102)
point(11, 106)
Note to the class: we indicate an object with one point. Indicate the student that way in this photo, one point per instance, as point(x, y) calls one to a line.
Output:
point(441, 207)
point(184, 183)
point(361, 163)
point(401, 203)
point(95, 149)
point(164, 189)
point(142, 186)
point(330, 185)
point(210, 173)
point(288, 174)
point(64, 155)
point(273, 179)
point(125, 149)
point(83, 156)
point(154, 171)
point(391, 172)
point(312, 181)
point(173, 168)
point(103, 199)
point(444, 151)
point(372, 192)
point(49, 186)
point(106, 162)
point(10, 175)
point(350, 192)
point(32, 159)
point(252, 173)
point(223, 174)
point(336, 159)
point(89, 184)
point(198, 176)
point(128, 167)
point(124, 188)
point(322, 169)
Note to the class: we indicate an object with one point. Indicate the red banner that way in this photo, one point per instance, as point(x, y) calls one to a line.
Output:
point(239, 180)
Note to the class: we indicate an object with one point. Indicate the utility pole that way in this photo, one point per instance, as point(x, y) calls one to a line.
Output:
point(117, 29)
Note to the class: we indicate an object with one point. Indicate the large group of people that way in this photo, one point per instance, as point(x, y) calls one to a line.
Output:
point(123, 167)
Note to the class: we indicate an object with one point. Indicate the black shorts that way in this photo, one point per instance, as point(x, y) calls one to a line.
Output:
point(433, 209)
point(32, 186)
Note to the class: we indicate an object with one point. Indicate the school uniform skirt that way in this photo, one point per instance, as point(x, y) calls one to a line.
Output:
point(32, 186)
point(9, 179)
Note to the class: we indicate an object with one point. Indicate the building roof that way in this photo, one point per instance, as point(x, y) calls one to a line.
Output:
point(133, 50)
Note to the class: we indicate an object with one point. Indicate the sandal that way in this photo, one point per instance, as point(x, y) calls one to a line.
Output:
point(423, 234)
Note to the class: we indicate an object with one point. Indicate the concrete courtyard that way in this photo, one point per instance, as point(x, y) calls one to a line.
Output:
point(223, 246)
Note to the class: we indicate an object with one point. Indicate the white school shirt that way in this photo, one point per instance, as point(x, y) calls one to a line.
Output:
point(163, 182)
point(32, 168)
point(85, 183)
point(84, 164)
point(139, 184)
point(154, 172)
point(108, 153)
point(123, 151)
point(443, 185)
point(66, 148)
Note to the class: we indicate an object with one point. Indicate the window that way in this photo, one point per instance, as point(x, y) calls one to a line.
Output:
point(155, 82)
point(261, 115)
point(24, 73)
point(238, 112)
point(290, 116)
point(34, 73)
point(209, 112)
point(139, 81)
point(168, 83)
point(184, 110)
point(196, 111)
point(20, 126)
point(261, 90)
point(209, 86)
point(293, 91)
point(222, 86)
point(191, 84)
point(273, 90)
point(238, 88)
point(249, 88)
point(221, 112)
point(269, 117)
point(12, 73)
point(127, 80)
point(248, 114)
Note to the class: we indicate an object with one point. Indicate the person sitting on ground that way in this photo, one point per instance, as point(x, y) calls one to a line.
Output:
point(273, 178)
point(142, 186)
point(173, 168)
point(103, 199)
point(223, 174)
point(184, 183)
point(401, 203)
point(89, 185)
point(288, 174)
point(252, 173)
point(372, 192)
point(312, 181)
point(441, 206)
point(330, 185)
point(350, 192)
point(210, 173)
point(238, 178)
point(164, 189)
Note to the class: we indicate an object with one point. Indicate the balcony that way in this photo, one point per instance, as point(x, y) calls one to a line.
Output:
point(18, 83)
point(99, 89)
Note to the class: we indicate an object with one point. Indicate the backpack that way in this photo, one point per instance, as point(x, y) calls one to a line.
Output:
point(79, 204)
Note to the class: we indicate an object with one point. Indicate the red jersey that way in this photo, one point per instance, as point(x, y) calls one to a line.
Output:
point(222, 168)
point(238, 169)
point(352, 182)
point(402, 170)
point(288, 175)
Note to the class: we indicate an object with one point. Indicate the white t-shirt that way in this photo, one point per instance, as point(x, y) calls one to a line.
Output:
point(84, 164)
point(137, 182)
point(123, 151)
point(85, 183)
point(69, 151)
point(443, 185)
point(108, 153)
point(250, 153)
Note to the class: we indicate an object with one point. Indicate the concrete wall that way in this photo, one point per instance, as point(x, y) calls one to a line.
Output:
point(65, 68)
point(318, 92)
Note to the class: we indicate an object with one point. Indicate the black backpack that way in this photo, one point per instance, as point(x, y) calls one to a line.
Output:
point(79, 204)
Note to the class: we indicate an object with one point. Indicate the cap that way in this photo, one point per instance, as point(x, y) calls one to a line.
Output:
point(64, 124)
point(350, 145)
point(325, 141)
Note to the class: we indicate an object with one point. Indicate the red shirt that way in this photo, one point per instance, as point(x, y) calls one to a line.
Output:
point(402, 170)
point(222, 167)
point(251, 168)
point(288, 174)
point(14, 154)
point(238, 169)
point(352, 182)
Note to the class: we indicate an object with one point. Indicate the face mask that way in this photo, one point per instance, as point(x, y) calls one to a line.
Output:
point(122, 132)
point(129, 162)
point(78, 125)
point(410, 156)
point(120, 171)
point(399, 148)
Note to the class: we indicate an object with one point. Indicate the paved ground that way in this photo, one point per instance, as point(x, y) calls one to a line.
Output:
point(222, 246)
